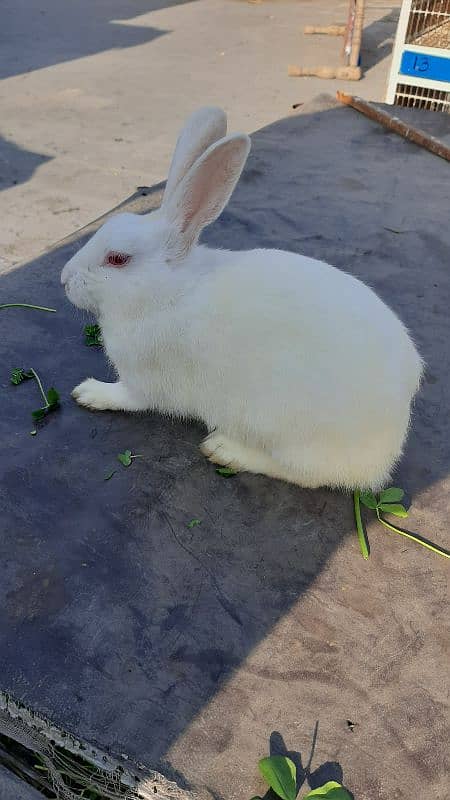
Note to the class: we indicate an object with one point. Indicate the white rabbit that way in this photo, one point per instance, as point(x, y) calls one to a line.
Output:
point(298, 369)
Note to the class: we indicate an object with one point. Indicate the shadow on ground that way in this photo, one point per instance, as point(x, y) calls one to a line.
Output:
point(184, 647)
point(378, 39)
point(40, 35)
point(17, 165)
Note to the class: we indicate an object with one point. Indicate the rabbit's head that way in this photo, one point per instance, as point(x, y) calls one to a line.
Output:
point(132, 254)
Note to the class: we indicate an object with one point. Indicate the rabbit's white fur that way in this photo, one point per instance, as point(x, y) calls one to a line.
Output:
point(298, 369)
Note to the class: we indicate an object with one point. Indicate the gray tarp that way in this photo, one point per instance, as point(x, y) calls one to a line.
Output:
point(186, 648)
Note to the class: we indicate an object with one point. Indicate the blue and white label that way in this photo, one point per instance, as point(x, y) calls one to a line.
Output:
point(423, 65)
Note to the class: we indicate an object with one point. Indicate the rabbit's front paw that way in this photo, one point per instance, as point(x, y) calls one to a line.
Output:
point(220, 450)
point(95, 394)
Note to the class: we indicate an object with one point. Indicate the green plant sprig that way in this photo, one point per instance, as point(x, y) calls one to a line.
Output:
point(415, 537)
point(127, 457)
point(27, 305)
point(93, 336)
point(51, 398)
point(226, 472)
point(360, 530)
point(280, 773)
point(388, 502)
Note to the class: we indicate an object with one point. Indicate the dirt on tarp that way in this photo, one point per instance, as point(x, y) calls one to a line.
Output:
point(195, 649)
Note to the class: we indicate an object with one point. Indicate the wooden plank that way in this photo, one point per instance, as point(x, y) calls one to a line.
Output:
point(415, 135)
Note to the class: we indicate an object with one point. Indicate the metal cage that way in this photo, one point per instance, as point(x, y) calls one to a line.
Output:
point(420, 71)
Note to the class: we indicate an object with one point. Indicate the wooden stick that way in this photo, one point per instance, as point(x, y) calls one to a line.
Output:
point(397, 126)
point(326, 30)
point(357, 33)
point(343, 73)
point(348, 36)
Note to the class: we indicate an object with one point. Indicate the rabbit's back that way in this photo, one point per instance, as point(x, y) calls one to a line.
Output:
point(296, 349)
point(288, 316)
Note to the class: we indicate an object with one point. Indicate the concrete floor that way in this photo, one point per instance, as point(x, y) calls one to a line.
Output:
point(93, 93)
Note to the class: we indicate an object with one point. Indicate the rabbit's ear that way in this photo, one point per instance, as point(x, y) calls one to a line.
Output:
point(203, 128)
point(204, 191)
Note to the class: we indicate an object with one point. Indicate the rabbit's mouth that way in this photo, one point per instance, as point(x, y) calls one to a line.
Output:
point(76, 291)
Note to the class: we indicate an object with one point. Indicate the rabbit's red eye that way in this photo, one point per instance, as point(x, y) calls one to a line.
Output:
point(116, 259)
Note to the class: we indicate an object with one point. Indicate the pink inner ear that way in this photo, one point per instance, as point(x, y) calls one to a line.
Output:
point(116, 259)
